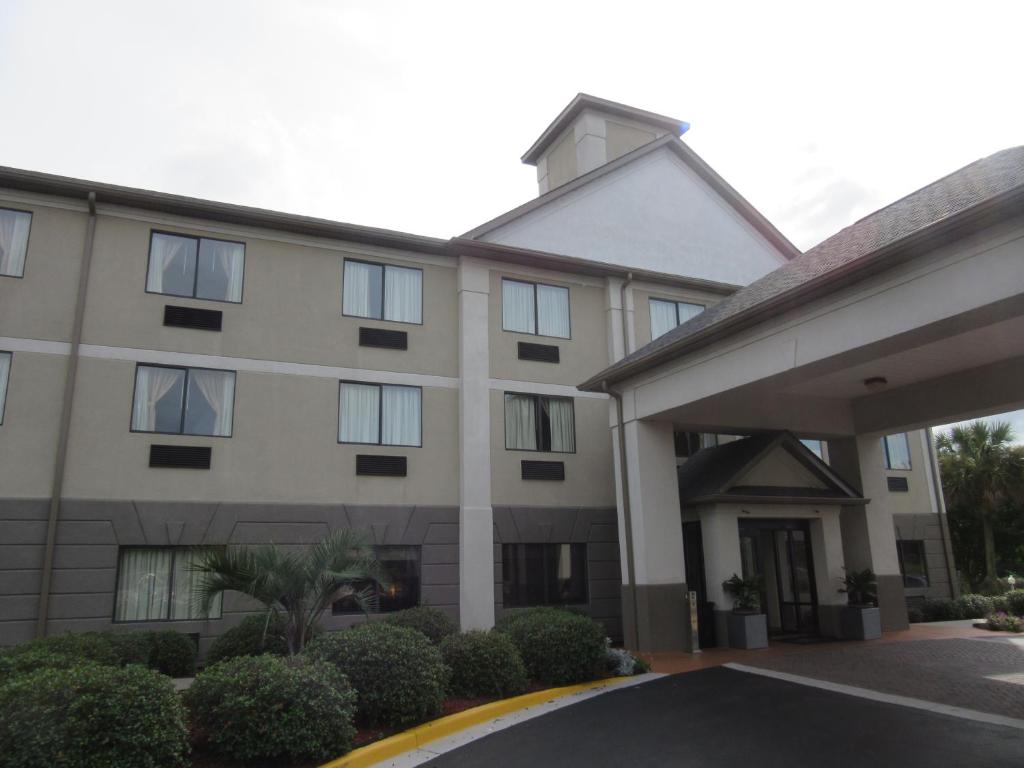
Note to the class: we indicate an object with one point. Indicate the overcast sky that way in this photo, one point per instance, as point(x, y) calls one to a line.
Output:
point(413, 116)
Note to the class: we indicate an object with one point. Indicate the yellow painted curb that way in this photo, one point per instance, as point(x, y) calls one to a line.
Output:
point(416, 737)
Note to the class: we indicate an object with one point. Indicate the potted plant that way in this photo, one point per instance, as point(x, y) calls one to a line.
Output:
point(748, 627)
point(861, 619)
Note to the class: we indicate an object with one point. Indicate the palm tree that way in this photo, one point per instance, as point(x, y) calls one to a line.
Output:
point(981, 471)
point(298, 586)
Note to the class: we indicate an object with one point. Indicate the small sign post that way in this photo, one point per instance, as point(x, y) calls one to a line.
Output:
point(694, 624)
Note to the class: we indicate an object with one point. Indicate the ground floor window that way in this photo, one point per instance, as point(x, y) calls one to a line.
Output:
point(544, 574)
point(158, 584)
point(913, 564)
point(401, 564)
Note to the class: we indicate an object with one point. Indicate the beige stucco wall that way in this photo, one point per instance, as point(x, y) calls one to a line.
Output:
point(621, 138)
point(41, 305)
point(290, 310)
point(918, 497)
point(781, 469)
point(28, 435)
point(588, 472)
point(283, 448)
point(561, 160)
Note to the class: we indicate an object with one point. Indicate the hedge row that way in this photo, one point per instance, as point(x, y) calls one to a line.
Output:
point(967, 607)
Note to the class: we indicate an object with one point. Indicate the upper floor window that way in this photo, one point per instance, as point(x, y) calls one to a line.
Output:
point(666, 315)
point(379, 414)
point(195, 267)
point(158, 584)
point(897, 451)
point(539, 423)
point(535, 308)
point(183, 401)
point(14, 227)
point(382, 292)
point(5, 372)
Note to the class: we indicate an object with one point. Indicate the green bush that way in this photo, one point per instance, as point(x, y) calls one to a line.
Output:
point(558, 647)
point(1015, 602)
point(253, 637)
point(434, 623)
point(1004, 622)
point(974, 606)
point(84, 646)
point(483, 664)
point(92, 716)
point(264, 709)
point(398, 674)
point(915, 613)
point(16, 662)
point(172, 653)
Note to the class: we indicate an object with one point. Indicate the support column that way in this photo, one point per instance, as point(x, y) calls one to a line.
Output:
point(476, 518)
point(720, 534)
point(658, 599)
point(827, 558)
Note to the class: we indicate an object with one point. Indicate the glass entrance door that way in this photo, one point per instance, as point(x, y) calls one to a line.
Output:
point(779, 553)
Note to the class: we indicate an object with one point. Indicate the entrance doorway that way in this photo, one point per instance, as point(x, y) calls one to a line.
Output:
point(779, 553)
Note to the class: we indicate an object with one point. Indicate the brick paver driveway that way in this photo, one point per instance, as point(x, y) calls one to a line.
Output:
point(980, 673)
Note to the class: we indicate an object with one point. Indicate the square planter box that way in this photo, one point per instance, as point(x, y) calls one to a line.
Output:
point(748, 630)
point(858, 623)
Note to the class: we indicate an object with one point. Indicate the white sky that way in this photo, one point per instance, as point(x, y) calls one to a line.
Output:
point(413, 115)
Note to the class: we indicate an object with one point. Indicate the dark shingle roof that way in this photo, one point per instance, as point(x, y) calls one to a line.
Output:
point(977, 183)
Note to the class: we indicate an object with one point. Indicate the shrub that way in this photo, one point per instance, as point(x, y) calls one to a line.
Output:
point(92, 716)
point(1015, 602)
point(172, 653)
point(483, 664)
point(84, 646)
point(434, 623)
point(22, 662)
point(974, 606)
point(915, 614)
point(398, 674)
point(168, 652)
point(1004, 622)
point(253, 637)
point(940, 609)
point(265, 709)
point(620, 662)
point(558, 647)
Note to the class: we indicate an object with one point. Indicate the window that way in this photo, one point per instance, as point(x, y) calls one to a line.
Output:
point(897, 451)
point(814, 446)
point(539, 423)
point(542, 310)
point(913, 564)
point(401, 565)
point(5, 373)
point(14, 227)
point(183, 401)
point(544, 574)
point(379, 414)
point(195, 267)
point(382, 292)
point(157, 584)
point(666, 315)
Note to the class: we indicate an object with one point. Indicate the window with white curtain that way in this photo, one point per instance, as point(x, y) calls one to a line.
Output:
point(539, 423)
point(379, 414)
point(183, 401)
point(14, 228)
point(5, 373)
point(666, 315)
point(382, 292)
point(542, 310)
point(158, 584)
point(897, 451)
point(195, 267)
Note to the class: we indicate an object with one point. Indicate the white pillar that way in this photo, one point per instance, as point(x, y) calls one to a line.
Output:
point(476, 518)
point(827, 558)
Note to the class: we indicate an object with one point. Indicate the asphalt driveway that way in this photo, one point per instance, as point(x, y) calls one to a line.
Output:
point(723, 717)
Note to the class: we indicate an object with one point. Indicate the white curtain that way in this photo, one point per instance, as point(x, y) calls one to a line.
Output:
point(185, 582)
point(165, 250)
point(356, 291)
point(560, 419)
point(150, 385)
point(663, 317)
point(220, 258)
point(359, 414)
point(517, 307)
point(14, 227)
point(686, 311)
point(403, 295)
point(218, 387)
point(5, 372)
point(400, 415)
point(143, 586)
point(553, 311)
point(520, 422)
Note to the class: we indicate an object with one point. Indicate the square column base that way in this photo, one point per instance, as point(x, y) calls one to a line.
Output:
point(661, 621)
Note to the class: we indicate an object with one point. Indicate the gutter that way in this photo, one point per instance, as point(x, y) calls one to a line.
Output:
point(65, 422)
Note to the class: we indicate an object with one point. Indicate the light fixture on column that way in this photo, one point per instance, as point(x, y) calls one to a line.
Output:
point(875, 383)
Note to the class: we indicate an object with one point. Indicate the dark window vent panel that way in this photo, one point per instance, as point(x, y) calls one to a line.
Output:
point(543, 470)
point(381, 337)
point(384, 466)
point(541, 353)
point(181, 456)
point(897, 483)
point(190, 317)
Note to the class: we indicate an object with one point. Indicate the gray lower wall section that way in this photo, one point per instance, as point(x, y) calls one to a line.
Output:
point(926, 527)
point(90, 533)
point(595, 527)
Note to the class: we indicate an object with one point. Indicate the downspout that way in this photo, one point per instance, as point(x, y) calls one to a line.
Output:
point(940, 511)
point(65, 422)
